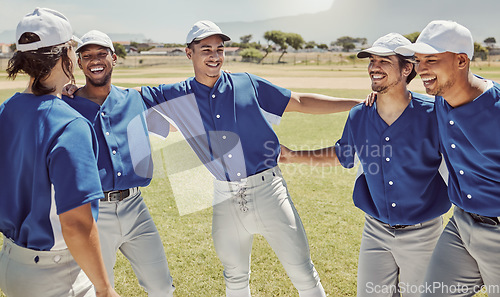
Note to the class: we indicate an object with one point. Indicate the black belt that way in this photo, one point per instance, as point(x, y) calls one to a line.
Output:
point(394, 226)
point(119, 195)
point(484, 219)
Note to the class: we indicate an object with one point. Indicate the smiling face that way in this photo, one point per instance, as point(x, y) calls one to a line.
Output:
point(437, 72)
point(207, 56)
point(97, 64)
point(385, 72)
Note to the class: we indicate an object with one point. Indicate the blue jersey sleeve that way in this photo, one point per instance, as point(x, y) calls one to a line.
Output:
point(152, 96)
point(272, 99)
point(72, 166)
point(344, 147)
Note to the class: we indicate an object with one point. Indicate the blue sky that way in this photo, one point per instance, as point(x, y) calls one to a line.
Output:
point(161, 20)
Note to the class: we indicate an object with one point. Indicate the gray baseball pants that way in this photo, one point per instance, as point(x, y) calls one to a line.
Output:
point(466, 258)
point(25, 272)
point(127, 226)
point(394, 261)
point(260, 204)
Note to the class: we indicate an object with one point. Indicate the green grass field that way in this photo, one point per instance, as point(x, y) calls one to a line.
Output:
point(322, 197)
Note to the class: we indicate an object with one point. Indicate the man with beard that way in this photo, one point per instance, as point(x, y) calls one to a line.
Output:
point(400, 188)
point(468, 115)
point(124, 220)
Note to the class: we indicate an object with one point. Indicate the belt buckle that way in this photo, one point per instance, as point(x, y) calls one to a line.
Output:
point(108, 195)
point(398, 226)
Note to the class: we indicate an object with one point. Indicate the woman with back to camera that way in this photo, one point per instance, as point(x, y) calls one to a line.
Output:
point(49, 182)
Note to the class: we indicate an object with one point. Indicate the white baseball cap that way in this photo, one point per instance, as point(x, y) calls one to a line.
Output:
point(98, 38)
point(439, 37)
point(385, 46)
point(51, 26)
point(204, 29)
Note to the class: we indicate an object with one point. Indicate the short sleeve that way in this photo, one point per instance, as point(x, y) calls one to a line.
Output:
point(271, 98)
point(72, 166)
point(344, 147)
point(152, 96)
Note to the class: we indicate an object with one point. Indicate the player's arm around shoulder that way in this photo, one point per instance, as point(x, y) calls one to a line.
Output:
point(319, 104)
point(320, 157)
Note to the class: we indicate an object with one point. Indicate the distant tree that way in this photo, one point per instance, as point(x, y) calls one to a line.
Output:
point(412, 36)
point(120, 50)
point(276, 37)
point(310, 45)
point(246, 38)
point(479, 52)
point(295, 40)
point(251, 55)
point(490, 44)
point(323, 46)
point(348, 43)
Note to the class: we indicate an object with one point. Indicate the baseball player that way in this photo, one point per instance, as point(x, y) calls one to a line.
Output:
point(468, 115)
point(49, 177)
point(400, 188)
point(117, 116)
point(226, 118)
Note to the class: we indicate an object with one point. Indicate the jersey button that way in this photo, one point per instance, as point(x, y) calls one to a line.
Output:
point(469, 196)
point(103, 114)
point(107, 133)
point(461, 172)
point(387, 139)
point(213, 95)
point(391, 183)
point(119, 174)
point(114, 152)
point(218, 116)
point(238, 174)
point(387, 159)
point(224, 137)
point(229, 156)
point(453, 146)
point(393, 205)
point(452, 123)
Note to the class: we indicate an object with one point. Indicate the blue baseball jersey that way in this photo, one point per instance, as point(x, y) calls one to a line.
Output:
point(470, 137)
point(229, 126)
point(48, 155)
point(124, 150)
point(400, 183)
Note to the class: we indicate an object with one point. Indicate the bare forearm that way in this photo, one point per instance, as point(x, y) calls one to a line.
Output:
point(319, 104)
point(80, 233)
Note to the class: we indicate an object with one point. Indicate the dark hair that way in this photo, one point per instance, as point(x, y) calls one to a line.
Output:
point(191, 45)
point(403, 60)
point(39, 63)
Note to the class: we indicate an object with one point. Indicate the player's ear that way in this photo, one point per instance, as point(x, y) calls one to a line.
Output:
point(462, 60)
point(80, 63)
point(189, 52)
point(115, 58)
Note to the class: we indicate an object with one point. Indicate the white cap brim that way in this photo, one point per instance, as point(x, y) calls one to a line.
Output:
point(96, 42)
point(208, 34)
point(419, 48)
point(376, 50)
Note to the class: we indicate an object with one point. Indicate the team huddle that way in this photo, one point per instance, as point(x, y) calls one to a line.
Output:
point(73, 161)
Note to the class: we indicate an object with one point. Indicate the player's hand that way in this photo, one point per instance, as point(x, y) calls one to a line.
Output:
point(69, 90)
point(371, 98)
point(286, 155)
point(109, 292)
